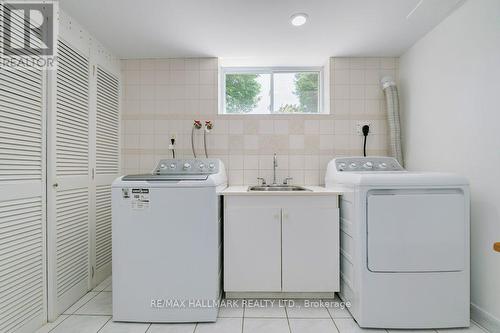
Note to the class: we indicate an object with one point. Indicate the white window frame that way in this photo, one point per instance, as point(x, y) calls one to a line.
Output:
point(271, 70)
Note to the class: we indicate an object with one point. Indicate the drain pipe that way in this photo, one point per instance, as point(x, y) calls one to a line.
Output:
point(392, 99)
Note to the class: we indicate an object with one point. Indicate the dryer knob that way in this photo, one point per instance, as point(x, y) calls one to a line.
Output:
point(368, 165)
point(163, 166)
point(187, 166)
point(382, 166)
point(172, 166)
point(201, 166)
point(353, 165)
point(211, 165)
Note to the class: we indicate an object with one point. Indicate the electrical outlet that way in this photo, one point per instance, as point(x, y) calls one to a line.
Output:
point(360, 124)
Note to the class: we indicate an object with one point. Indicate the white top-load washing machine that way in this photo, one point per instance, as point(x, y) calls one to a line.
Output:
point(404, 244)
point(167, 242)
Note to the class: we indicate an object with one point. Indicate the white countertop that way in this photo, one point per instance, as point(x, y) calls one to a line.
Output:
point(313, 190)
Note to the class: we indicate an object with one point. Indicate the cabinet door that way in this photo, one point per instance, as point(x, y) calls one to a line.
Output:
point(252, 249)
point(310, 249)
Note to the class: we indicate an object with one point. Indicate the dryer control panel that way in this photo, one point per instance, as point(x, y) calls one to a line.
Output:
point(371, 164)
point(198, 166)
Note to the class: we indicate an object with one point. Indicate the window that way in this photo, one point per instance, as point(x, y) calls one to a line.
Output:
point(271, 90)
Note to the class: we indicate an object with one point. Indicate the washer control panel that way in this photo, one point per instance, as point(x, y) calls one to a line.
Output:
point(373, 164)
point(198, 166)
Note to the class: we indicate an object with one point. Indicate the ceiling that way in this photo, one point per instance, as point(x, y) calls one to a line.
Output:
point(258, 29)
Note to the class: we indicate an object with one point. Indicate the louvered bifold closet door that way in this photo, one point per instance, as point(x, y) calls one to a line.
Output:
point(69, 199)
point(22, 200)
point(107, 165)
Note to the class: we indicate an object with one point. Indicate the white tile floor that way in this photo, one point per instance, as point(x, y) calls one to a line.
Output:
point(92, 314)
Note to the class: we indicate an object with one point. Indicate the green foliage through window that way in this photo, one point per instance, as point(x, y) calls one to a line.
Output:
point(242, 92)
point(307, 88)
point(289, 108)
point(256, 91)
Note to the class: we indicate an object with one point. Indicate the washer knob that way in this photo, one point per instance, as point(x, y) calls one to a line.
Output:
point(201, 166)
point(187, 166)
point(211, 166)
point(353, 165)
point(368, 165)
point(172, 166)
point(382, 166)
point(162, 166)
point(342, 166)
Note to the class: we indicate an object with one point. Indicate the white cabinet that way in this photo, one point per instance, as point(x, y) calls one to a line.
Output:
point(253, 237)
point(310, 249)
point(281, 244)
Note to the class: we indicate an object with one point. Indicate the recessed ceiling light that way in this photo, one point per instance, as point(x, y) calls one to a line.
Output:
point(298, 19)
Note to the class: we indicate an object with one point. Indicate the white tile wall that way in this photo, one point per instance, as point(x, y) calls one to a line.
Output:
point(163, 96)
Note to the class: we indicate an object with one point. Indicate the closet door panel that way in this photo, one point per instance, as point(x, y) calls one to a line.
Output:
point(69, 175)
point(103, 226)
point(108, 124)
point(107, 166)
point(22, 200)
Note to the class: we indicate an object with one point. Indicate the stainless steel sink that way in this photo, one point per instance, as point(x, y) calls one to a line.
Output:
point(277, 188)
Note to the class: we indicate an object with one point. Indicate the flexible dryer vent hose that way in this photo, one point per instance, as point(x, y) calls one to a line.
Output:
point(392, 99)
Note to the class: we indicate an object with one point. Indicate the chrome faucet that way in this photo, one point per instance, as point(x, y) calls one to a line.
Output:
point(275, 165)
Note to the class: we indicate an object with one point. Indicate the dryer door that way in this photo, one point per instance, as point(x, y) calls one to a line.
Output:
point(416, 231)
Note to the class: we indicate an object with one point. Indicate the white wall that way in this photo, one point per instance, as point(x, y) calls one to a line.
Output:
point(450, 87)
point(162, 97)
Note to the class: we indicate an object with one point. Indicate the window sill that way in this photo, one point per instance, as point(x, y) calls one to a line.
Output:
point(273, 114)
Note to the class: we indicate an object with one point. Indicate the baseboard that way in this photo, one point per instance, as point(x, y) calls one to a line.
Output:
point(101, 274)
point(270, 295)
point(484, 319)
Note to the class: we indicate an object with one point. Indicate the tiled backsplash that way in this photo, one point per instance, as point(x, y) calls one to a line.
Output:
point(162, 97)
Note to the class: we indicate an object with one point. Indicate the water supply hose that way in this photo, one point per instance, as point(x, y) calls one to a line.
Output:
point(208, 128)
point(196, 125)
point(172, 145)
